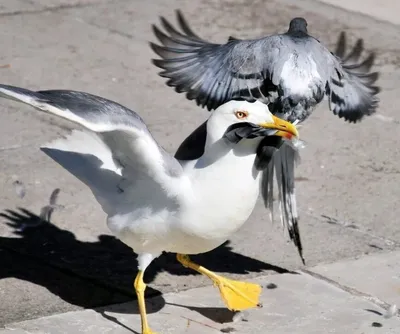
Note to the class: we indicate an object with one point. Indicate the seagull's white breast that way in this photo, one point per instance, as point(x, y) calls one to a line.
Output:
point(225, 195)
point(220, 198)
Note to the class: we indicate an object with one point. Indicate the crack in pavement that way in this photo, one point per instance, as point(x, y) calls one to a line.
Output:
point(354, 227)
point(354, 292)
point(109, 30)
point(48, 9)
point(15, 147)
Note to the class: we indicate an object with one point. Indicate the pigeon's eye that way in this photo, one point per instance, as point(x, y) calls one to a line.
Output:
point(241, 114)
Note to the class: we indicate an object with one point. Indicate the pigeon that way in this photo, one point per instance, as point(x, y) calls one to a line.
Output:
point(290, 72)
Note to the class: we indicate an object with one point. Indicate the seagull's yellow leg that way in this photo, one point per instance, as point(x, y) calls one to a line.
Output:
point(236, 295)
point(140, 286)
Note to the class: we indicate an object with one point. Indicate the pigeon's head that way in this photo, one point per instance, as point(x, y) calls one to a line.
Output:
point(298, 25)
point(237, 120)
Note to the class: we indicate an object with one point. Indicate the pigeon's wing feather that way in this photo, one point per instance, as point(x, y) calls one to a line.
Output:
point(213, 74)
point(277, 161)
point(351, 87)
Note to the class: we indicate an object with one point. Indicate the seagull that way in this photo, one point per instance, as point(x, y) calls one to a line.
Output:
point(154, 201)
point(291, 72)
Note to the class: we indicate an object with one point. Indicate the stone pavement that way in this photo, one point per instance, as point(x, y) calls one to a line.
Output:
point(347, 182)
point(323, 299)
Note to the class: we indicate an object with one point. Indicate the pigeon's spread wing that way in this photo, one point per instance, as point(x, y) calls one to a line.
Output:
point(127, 146)
point(213, 74)
point(351, 89)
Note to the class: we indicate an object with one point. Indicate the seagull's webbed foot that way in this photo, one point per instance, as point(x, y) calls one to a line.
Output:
point(236, 295)
point(140, 286)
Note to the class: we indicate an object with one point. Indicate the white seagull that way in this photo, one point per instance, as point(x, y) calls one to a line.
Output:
point(153, 201)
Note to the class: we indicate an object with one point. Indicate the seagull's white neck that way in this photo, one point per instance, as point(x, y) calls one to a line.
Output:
point(214, 151)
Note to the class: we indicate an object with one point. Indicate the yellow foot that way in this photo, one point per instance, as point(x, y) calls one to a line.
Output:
point(148, 331)
point(238, 295)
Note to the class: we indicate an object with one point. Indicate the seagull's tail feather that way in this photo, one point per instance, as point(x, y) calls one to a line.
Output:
point(90, 162)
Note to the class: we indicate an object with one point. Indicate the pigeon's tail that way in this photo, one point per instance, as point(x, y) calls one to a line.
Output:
point(279, 160)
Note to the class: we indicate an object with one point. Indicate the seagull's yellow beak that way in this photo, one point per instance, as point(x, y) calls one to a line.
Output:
point(284, 128)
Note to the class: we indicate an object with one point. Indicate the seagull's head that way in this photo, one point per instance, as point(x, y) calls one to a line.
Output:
point(248, 121)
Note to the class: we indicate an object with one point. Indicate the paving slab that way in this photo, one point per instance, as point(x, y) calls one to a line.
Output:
point(15, 6)
point(382, 10)
point(23, 7)
point(377, 275)
point(349, 174)
point(298, 304)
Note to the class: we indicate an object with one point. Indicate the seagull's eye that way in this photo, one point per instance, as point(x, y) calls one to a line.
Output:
point(241, 114)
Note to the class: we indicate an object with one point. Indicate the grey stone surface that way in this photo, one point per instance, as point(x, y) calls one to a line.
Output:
point(299, 304)
point(349, 175)
point(24, 7)
point(13, 6)
point(377, 275)
point(382, 10)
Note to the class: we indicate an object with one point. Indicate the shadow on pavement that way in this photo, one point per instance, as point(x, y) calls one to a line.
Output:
point(93, 274)
point(116, 321)
point(217, 314)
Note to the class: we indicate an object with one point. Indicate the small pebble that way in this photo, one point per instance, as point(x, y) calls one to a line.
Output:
point(19, 188)
point(271, 286)
point(392, 310)
point(228, 330)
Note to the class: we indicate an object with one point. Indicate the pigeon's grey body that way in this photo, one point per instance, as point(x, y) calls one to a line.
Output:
point(291, 72)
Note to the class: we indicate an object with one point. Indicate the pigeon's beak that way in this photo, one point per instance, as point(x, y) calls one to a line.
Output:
point(284, 128)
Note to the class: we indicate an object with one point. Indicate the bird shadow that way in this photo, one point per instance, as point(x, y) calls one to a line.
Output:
point(100, 273)
point(216, 314)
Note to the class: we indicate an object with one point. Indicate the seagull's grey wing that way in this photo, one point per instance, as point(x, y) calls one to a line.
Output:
point(277, 159)
point(87, 157)
point(213, 74)
point(351, 88)
point(131, 145)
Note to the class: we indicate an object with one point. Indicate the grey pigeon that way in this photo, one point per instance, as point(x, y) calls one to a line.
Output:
point(291, 72)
